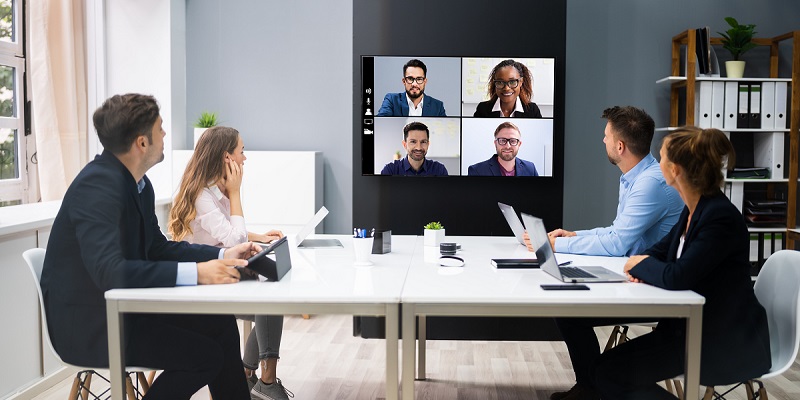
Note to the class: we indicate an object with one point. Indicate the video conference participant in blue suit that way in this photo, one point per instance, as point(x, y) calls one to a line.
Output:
point(413, 102)
point(106, 236)
point(510, 91)
point(507, 141)
point(416, 139)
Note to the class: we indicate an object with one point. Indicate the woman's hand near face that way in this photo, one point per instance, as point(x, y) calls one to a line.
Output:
point(233, 176)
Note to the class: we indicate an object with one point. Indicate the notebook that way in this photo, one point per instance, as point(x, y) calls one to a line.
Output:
point(548, 263)
point(513, 221)
point(304, 243)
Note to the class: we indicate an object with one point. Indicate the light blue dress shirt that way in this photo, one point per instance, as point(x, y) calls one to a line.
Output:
point(187, 271)
point(648, 208)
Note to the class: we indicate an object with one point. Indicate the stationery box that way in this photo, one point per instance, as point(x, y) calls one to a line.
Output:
point(382, 242)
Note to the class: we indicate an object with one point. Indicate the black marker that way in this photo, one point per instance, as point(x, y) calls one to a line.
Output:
point(565, 263)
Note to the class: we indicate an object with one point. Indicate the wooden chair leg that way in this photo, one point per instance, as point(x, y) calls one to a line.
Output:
point(143, 382)
point(669, 387)
point(748, 387)
point(129, 388)
point(76, 384)
point(612, 339)
point(150, 378)
point(762, 393)
point(709, 395)
point(87, 383)
point(678, 388)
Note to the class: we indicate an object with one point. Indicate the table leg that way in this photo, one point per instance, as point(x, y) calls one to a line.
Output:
point(694, 335)
point(422, 331)
point(392, 327)
point(116, 358)
point(409, 340)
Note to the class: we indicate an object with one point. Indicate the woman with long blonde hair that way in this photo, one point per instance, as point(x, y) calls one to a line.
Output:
point(208, 209)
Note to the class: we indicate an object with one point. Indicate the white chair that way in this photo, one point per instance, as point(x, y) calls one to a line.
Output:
point(81, 385)
point(778, 290)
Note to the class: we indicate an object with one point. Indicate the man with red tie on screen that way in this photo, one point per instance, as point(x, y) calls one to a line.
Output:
point(413, 102)
point(507, 141)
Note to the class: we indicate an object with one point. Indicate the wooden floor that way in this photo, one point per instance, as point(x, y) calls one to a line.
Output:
point(322, 360)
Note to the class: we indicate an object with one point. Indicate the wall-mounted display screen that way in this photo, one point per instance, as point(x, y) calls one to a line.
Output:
point(457, 116)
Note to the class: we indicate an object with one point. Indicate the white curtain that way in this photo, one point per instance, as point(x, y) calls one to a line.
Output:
point(58, 92)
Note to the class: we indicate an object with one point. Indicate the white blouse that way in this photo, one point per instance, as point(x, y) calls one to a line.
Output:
point(214, 225)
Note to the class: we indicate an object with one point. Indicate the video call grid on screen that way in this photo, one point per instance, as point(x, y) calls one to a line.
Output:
point(458, 139)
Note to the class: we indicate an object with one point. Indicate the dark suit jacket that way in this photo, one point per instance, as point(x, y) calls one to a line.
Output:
point(396, 105)
point(491, 167)
point(484, 110)
point(105, 236)
point(715, 264)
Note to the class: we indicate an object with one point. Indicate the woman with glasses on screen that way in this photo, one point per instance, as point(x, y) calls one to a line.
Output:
point(510, 90)
point(208, 210)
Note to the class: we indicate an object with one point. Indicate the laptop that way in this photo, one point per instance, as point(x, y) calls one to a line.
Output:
point(513, 221)
point(304, 243)
point(548, 263)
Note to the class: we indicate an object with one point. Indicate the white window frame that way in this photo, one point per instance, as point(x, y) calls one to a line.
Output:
point(12, 55)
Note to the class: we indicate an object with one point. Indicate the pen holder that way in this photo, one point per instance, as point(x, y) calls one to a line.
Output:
point(362, 247)
point(382, 242)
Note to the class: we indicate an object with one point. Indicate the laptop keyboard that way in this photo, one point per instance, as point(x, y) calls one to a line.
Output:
point(575, 272)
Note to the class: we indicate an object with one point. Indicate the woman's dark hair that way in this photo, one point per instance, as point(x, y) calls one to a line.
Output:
point(525, 92)
point(702, 154)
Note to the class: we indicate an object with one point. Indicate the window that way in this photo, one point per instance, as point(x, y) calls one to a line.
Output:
point(13, 142)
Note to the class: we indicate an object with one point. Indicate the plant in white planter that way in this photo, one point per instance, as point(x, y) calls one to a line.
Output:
point(205, 121)
point(738, 39)
point(434, 234)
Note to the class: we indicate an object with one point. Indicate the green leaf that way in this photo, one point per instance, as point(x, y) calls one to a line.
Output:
point(206, 120)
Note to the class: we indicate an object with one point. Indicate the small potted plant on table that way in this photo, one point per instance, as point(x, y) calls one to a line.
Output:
point(434, 234)
point(205, 121)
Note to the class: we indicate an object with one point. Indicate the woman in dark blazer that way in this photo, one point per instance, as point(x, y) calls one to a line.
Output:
point(510, 90)
point(707, 251)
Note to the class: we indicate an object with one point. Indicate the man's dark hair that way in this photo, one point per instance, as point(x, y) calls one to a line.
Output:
point(415, 63)
point(633, 127)
point(415, 126)
point(123, 118)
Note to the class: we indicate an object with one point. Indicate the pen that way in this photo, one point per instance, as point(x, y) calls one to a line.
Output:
point(565, 263)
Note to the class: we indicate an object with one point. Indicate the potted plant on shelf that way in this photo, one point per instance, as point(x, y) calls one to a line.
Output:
point(434, 234)
point(205, 121)
point(738, 39)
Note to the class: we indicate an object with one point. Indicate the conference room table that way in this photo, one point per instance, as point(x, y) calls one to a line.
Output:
point(327, 281)
point(321, 281)
point(479, 289)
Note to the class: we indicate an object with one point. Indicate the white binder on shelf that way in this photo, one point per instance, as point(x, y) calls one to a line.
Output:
point(702, 104)
point(767, 105)
point(780, 105)
point(717, 104)
point(755, 106)
point(768, 152)
point(731, 106)
point(735, 192)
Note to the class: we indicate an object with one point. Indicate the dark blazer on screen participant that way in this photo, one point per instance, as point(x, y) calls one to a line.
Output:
point(399, 104)
point(510, 91)
point(507, 142)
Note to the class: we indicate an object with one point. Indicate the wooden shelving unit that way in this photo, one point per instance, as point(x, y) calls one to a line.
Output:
point(685, 85)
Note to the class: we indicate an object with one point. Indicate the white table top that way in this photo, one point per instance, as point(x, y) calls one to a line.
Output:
point(317, 276)
point(479, 282)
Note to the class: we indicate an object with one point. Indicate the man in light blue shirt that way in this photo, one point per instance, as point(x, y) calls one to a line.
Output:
point(648, 208)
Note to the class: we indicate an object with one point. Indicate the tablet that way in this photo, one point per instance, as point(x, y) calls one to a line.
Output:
point(266, 267)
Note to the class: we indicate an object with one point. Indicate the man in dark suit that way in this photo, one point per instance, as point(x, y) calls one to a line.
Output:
point(106, 236)
point(507, 141)
point(413, 102)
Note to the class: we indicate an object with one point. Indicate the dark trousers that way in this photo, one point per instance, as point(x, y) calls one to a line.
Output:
point(632, 369)
point(581, 341)
point(192, 350)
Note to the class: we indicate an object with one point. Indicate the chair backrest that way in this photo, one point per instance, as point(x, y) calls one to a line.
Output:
point(778, 290)
point(35, 259)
